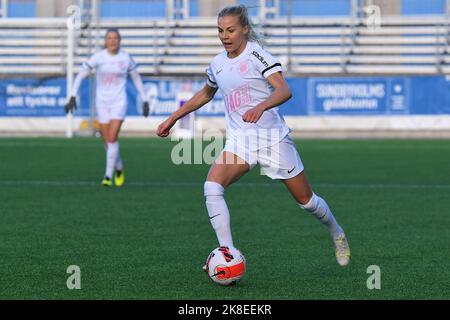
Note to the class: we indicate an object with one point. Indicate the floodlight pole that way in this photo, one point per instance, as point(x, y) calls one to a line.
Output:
point(177, 9)
point(289, 18)
point(69, 79)
point(95, 22)
point(354, 9)
point(447, 17)
point(4, 10)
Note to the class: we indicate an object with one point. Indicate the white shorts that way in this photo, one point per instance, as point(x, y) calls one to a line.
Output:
point(106, 114)
point(280, 161)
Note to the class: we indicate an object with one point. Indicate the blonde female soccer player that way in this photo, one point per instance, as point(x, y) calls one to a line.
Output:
point(252, 84)
point(112, 66)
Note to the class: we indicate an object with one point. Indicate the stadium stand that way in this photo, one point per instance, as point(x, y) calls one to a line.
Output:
point(307, 45)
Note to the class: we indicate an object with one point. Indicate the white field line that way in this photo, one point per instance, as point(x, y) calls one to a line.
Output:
point(11, 144)
point(176, 184)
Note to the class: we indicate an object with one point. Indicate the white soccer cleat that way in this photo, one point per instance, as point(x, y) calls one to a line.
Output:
point(342, 250)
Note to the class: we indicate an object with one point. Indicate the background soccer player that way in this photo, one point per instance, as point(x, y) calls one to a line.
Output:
point(112, 65)
point(252, 84)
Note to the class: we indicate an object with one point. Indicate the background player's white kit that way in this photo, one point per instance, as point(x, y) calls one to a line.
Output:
point(112, 66)
point(111, 78)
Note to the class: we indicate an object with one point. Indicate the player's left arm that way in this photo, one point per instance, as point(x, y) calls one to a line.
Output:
point(137, 80)
point(280, 95)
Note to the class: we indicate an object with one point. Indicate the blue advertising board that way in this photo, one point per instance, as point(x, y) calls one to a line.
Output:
point(38, 97)
point(319, 96)
point(362, 96)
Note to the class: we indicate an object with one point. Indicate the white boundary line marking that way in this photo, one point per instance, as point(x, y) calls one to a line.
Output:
point(175, 184)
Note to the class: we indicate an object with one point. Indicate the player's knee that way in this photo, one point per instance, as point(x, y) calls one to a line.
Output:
point(213, 189)
point(107, 139)
point(112, 138)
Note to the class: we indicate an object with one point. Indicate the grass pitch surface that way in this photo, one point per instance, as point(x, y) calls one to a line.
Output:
point(150, 238)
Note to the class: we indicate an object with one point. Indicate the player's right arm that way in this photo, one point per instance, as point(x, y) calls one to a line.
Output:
point(86, 69)
point(201, 98)
point(72, 103)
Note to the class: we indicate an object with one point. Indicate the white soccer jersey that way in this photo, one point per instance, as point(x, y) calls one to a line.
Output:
point(111, 77)
point(243, 83)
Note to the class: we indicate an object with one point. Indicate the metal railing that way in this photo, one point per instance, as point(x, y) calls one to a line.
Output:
point(340, 45)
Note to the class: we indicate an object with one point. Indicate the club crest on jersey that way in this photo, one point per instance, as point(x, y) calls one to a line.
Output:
point(121, 65)
point(260, 58)
point(244, 67)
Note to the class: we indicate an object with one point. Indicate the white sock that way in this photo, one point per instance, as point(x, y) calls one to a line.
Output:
point(218, 213)
point(111, 158)
point(119, 162)
point(319, 209)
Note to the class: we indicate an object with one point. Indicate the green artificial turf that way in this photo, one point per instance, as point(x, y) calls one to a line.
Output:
point(150, 238)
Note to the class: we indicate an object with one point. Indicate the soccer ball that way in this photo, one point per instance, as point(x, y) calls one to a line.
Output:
point(225, 265)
